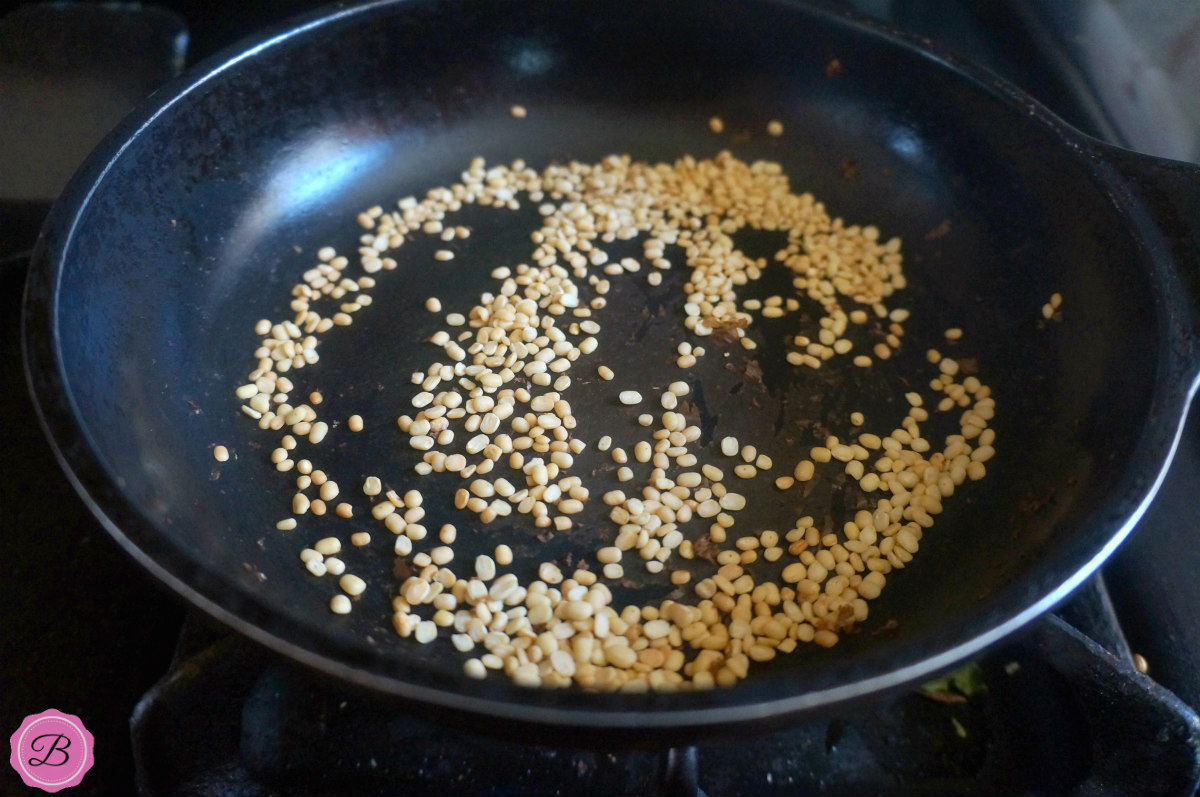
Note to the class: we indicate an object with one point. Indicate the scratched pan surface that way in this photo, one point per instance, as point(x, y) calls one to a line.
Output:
point(196, 217)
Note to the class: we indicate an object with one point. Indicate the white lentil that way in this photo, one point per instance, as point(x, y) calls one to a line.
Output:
point(426, 631)
point(352, 585)
point(530, 330)
point(485, 567)
point(328, 546)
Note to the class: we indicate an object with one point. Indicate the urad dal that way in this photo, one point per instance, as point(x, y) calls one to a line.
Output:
point(494, 407)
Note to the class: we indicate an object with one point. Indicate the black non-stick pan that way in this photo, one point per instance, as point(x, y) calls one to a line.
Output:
point(195, 217)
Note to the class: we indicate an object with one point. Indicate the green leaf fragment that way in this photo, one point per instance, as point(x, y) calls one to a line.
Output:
point(966, 681)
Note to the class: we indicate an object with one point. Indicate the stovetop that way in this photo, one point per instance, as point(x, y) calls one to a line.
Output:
point(1052, 713)
point(88, 633)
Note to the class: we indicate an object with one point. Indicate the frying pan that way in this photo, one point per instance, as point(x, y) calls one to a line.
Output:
point(194, 218)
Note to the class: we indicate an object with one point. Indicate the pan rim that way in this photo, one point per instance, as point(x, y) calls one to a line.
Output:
point(69, 438)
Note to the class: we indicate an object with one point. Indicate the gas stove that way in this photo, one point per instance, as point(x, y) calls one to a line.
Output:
point(1097, 698)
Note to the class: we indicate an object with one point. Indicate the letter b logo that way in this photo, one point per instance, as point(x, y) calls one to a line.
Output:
point(51, 750)
point(50, 743)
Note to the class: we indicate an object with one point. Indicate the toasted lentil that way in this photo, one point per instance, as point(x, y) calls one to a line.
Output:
point(352, 585)
point(524, 339)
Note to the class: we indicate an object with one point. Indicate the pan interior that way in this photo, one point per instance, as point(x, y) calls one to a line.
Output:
point(201, 225)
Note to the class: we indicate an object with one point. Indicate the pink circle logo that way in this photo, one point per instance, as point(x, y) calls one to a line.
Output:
point(51, 750)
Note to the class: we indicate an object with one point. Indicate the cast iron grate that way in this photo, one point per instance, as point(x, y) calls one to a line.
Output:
point(1060, 714)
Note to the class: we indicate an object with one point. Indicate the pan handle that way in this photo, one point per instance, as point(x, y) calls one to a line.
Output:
point(1170, 193)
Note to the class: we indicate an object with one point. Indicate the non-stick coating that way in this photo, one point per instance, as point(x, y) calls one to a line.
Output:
point(196, 218)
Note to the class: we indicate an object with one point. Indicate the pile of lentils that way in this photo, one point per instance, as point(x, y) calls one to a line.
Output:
point(494, 408)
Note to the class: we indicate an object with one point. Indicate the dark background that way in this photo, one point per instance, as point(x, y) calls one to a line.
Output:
point(86, 632)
